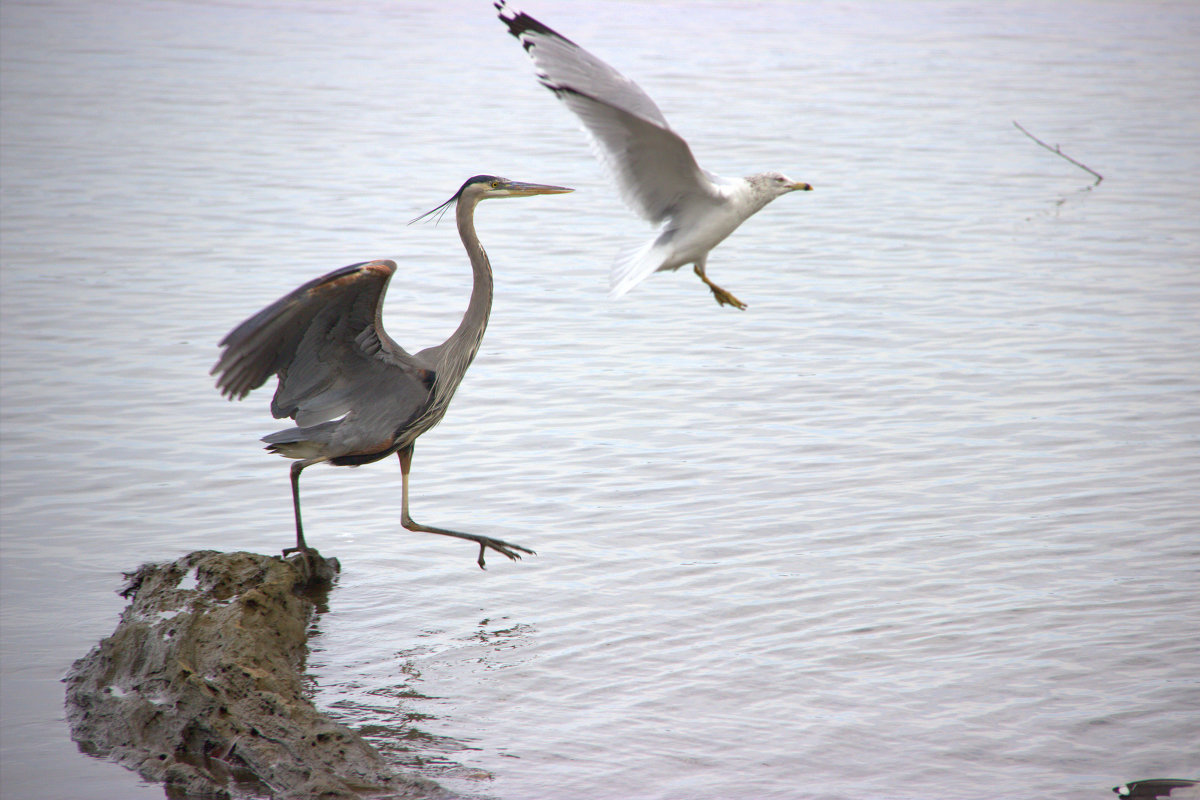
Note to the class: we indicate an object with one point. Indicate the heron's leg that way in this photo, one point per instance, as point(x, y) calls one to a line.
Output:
point(297, 468)
point(405, 455)
point(723, 297)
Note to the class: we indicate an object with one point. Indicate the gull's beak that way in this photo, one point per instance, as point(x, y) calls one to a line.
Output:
point(518, 189)
point(800, 186)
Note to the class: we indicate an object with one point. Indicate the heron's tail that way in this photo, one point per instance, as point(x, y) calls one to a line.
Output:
point(309, 442)
point(634, 265)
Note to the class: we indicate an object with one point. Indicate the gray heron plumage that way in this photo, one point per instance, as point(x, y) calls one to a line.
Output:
point(356, 396)
point(652, 165)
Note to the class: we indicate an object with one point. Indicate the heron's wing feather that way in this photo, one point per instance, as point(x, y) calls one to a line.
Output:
point(326, 343)
point(653, 166)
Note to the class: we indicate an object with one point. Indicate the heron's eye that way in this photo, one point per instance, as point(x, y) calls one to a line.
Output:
point(495, 184)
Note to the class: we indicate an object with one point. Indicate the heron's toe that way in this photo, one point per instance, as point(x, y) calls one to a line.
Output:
point(502, 547)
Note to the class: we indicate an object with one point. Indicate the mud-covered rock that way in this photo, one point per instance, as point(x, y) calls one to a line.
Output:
point(201, 687)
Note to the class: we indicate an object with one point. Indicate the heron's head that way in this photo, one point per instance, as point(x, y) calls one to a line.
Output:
point(482, 187)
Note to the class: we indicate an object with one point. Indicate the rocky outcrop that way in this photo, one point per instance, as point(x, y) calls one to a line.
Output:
point(201, 687)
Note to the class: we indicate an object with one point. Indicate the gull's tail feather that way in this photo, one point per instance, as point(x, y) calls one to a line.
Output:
point(634, 265)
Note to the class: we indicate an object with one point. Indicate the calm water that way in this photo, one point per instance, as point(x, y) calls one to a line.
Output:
point(922, 522)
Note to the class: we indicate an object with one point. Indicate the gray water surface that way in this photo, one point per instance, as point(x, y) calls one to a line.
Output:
point(924, 521)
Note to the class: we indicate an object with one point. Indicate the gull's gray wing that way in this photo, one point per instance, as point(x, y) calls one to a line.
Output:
point(326, 342)
point(653, 166)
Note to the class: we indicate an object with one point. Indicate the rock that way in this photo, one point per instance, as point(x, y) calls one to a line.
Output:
point(201, 687)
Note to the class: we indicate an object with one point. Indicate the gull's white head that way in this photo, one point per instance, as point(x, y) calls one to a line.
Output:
point(775, 184)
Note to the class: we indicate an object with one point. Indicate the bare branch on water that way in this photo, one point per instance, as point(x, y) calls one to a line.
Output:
point(1055, 149)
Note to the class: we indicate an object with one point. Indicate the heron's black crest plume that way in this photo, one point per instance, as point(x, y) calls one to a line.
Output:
point(441, 210)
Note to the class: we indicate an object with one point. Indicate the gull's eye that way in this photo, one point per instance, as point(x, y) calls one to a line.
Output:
point(779, 180)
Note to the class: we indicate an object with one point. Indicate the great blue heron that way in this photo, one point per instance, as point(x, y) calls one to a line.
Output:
point(355, 394)
point(653, 166)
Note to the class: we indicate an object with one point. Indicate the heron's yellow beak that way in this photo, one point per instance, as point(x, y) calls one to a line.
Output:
point(519, 189)
point(800, 186)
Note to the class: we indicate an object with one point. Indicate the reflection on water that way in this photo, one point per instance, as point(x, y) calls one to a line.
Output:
point(921, 521)
point(386, 712)
point(384, 717)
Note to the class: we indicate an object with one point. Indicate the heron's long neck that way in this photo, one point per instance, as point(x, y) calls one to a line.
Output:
point(460, 348)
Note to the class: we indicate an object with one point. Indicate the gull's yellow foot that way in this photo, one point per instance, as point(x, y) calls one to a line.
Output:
point(725, 298)
point(722, 297)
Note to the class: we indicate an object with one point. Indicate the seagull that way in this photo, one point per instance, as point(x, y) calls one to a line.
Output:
point(653, 167)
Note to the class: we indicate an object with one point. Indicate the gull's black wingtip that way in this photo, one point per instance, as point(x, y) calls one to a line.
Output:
point(519, 23)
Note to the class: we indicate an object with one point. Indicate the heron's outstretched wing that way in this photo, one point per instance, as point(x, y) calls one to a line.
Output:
point(653, 166)
point(326, 342)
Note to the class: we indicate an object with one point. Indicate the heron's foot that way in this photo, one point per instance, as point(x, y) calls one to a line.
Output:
point(505, 548)
point(315, 570)
point(307, 561)
point(484, 542)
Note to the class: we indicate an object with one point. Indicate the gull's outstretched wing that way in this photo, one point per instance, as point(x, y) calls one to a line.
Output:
point(326, 342)
point(654, 168)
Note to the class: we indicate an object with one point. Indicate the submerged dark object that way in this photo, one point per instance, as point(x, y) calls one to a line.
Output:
point(201, 687)
point(1174, 788)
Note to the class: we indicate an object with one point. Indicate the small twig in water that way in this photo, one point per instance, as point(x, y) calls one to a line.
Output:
point(1059, 152)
